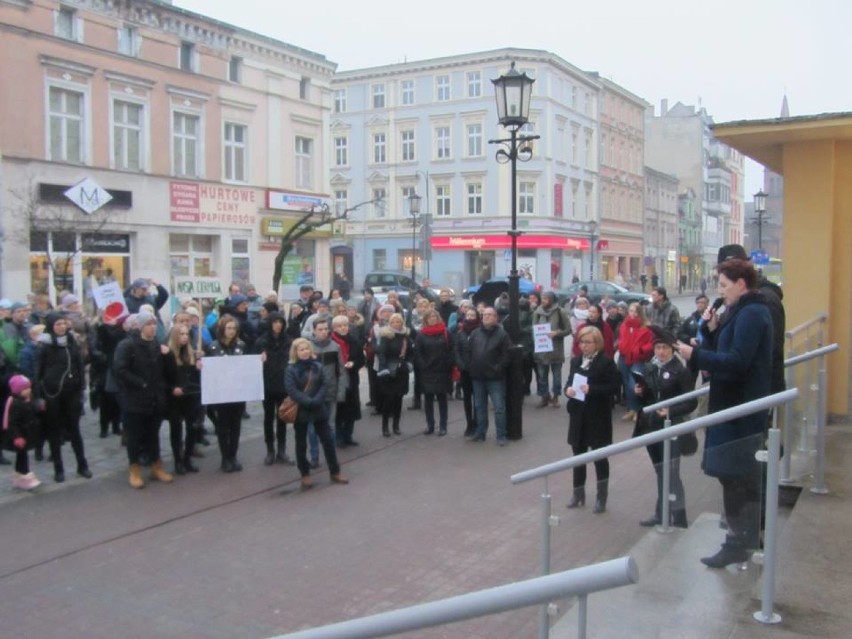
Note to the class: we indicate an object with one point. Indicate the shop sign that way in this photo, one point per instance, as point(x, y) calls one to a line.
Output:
point(105, 243)
point(199, 287)
point(278, 227)
point(671, 256)
point(88, 195)
point(286, 201)
point(525, 241)
point(213, 204)
point(297, 271)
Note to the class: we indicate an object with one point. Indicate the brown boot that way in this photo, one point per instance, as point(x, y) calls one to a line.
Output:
point(339, 479)
point(554, 401)
point(159, 473)
point(135, 478)
point(544, 402)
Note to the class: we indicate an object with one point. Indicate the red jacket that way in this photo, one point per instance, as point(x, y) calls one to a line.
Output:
point(635, 342)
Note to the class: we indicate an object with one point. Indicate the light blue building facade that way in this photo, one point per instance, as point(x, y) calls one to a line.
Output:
point(424, 127)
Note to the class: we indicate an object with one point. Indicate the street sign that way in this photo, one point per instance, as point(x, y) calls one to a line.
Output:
point(759, 257)
point(88, 195)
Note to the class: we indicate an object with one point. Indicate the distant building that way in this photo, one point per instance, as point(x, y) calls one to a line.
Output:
point(210, 140)
point(661, 226)
point(679, 142)
point(423, 127)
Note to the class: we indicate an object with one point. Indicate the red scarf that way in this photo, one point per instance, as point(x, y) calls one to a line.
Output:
point(343, 343)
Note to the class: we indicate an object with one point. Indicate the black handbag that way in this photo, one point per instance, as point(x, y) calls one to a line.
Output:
point(688, 444)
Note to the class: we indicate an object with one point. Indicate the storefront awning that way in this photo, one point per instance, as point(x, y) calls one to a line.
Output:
point(485, 242)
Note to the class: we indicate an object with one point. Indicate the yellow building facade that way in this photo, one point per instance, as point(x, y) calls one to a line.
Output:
point(814, 155)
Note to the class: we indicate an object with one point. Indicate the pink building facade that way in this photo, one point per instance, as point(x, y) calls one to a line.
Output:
point(187, 123)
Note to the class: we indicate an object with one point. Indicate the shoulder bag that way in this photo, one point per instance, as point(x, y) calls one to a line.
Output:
point(289, 409)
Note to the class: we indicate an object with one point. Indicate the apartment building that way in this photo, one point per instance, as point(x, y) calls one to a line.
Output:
point(193, 143)
point(661, 227)
point(424, 127)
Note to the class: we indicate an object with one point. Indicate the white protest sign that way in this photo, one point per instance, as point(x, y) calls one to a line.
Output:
point(541, 336)
point(110, 299)
point(225, 380)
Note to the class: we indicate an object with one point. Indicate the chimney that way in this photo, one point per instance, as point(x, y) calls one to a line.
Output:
point(664, 106)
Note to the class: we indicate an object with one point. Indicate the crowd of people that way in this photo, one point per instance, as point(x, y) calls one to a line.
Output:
point(139, 374)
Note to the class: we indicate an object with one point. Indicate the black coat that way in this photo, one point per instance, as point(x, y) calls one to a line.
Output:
point(350, 407)
point(433, 357)
point(591, 420)
point(23, 422)
point(139, 368)
point(671, 380)
point(393, 353)
point(277, 349)
point(739, 360)
point(59, 368)
point(489, 353)
point(311, 400)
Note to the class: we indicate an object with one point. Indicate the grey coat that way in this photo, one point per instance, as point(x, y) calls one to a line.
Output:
point(560, 323)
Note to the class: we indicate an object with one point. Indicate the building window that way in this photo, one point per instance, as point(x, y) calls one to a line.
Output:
point(236, 156)
point(407, 192)
point(66, 24)
point(188, 57)
point(341, 201)
point(240, 261)
point(379, 196)
point(526, 198)
point(340, 101)
point(407, 92)
point(304, 162)
point(442, 88)
point(341, 151)
point(128, 135)
point(378, 96)
point(192, 255)
point(590, 150)
point(575, 135)
point(380, 259)
point(235, 69)
point(67, 125)
point(442, 200)
point(304, 88)
point(379, 148)
point(128, 41)
point(442, 142)
point(186, 141)
point(474, 140)
point(474, 84)
point(474, 198)
point(408, 149)
point(574, 98)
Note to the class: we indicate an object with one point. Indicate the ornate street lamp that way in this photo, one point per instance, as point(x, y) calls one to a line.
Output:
point(414, 211)
point(512, 92)
point(759, 212)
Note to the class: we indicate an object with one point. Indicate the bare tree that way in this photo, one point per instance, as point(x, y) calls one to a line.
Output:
point(316, 218)
point(33, 216)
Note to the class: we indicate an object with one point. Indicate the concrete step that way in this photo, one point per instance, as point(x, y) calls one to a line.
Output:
point(677, 596)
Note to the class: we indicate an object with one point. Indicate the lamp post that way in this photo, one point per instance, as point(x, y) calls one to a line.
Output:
point(759, 212)
point(414, 211)
point(594, 240)
point(512, 92)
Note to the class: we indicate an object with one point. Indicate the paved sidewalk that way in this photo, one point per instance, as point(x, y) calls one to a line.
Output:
point(249, 555)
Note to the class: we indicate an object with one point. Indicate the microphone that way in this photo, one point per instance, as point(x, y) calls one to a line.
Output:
point(717, 303)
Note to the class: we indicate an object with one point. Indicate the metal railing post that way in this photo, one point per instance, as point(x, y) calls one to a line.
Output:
point(665, 492)
point(770, 534)
point(819, 473)
point(786, 462)
point(546, 509)
point(582, 616)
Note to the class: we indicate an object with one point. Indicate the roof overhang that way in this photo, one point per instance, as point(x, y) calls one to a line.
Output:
point(764, 140)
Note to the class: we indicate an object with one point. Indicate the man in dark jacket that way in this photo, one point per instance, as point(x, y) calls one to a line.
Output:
point(136, 295)
point(489, 354)
point(446, 306)
point(661, 312)
point(138, 367)
point(689, 328)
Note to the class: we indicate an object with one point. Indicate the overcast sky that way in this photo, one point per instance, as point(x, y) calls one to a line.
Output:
point(738, 57)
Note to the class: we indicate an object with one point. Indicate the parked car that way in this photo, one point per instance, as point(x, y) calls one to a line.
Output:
point(599, 289)
point(491, 289)
point(384, 281)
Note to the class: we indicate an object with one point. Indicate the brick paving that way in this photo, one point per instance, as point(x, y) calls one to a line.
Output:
point(249, 555)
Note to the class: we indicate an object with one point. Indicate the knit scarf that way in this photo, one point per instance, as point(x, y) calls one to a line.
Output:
point(343, 343)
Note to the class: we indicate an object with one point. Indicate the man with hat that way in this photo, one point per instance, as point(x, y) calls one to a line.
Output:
point(137, 294)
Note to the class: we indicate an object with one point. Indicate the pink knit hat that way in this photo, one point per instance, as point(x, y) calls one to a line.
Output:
point(19, 383)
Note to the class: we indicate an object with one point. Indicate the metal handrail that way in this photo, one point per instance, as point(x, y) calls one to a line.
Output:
point(577, 582)
point(822, 317)
point(764, 403)
point(703, 390)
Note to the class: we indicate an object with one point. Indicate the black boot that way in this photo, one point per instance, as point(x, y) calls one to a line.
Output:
point(679, 519)
point(396, 430)
point(726, 556)
point(270, 455)
point(600, 501)
point(578, 498)
point(385, 431)
point(188, 465)
point(180, 467)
